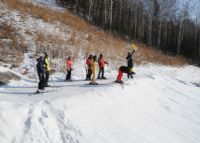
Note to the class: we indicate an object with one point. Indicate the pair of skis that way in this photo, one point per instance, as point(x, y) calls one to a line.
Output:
point(107, 84)
point(45, 91)
point(92, 84)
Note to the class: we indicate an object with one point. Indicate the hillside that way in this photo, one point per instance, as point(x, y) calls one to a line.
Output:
point(38, 28)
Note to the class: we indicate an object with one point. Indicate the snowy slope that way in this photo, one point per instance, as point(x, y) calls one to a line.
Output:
point(49, 2)
point(160, 105)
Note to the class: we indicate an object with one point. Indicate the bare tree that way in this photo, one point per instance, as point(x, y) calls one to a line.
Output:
point(105, 11)
point(111, 13)
point(158, 23)
point(90, 9)
point(184, 15)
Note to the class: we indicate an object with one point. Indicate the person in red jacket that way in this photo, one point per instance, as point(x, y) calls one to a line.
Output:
point(102, 63)
point(69, 64)
point(89, 67)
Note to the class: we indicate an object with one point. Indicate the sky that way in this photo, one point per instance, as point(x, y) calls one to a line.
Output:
point(194, 5)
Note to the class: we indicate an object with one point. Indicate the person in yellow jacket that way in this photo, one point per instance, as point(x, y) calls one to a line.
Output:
point(47, 67)
point(94, 68)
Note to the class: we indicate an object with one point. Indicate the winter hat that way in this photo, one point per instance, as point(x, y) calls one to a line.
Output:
point(45, 54)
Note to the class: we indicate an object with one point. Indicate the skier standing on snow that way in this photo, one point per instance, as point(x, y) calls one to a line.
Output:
point(69, 64)
point(41, 73)
point(129, 59)
point(47, 67)
point(89, 67)
point(101, 62)
point(94, 68)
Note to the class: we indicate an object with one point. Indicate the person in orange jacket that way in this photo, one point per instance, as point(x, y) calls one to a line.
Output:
point(69, 64)
point(89, 67)
point(101, 62)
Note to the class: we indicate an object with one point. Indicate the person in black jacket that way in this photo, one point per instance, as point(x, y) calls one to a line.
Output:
point(129, 59)
point(41, 73)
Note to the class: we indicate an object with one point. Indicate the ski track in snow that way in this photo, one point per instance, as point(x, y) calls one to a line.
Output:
point(161, 104)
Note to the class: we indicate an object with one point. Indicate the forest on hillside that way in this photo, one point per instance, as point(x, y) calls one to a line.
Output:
point(158, 23)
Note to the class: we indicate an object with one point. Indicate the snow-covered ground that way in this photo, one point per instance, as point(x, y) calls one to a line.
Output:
point(160, 105)
point(49, 2)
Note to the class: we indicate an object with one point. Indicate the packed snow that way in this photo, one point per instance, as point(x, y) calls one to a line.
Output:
point(48, 2)
point(161, 104)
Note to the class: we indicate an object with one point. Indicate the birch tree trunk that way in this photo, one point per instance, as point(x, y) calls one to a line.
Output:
point(111, 13)
point(159, 34)
point(150, 30)
point(136, 26)
point(105, 12)
point(90, 9)
point(180, 37)
point(120, 11)
point(196, 33)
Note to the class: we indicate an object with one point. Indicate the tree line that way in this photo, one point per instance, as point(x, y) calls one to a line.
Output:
point(158, 23)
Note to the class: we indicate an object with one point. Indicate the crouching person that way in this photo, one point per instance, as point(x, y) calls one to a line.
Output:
point(123, 69)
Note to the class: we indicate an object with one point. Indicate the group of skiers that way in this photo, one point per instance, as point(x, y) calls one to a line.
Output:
point(91, 67)
point(43, 69)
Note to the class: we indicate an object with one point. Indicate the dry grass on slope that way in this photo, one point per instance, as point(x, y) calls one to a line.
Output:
point(90, 39)
point(49, 15)
point(149, 54)
point(11, 47)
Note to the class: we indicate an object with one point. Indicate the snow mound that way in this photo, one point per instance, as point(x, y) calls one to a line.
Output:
point(49, 2)
point(6, 75)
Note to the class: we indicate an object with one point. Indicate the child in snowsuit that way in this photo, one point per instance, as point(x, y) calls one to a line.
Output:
point(129, 59)
point(47, 68)
point(69, 64)
point(41, 73)
point(123, 69)
point(89, 67)
point(94, 68)
point(101, 62)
